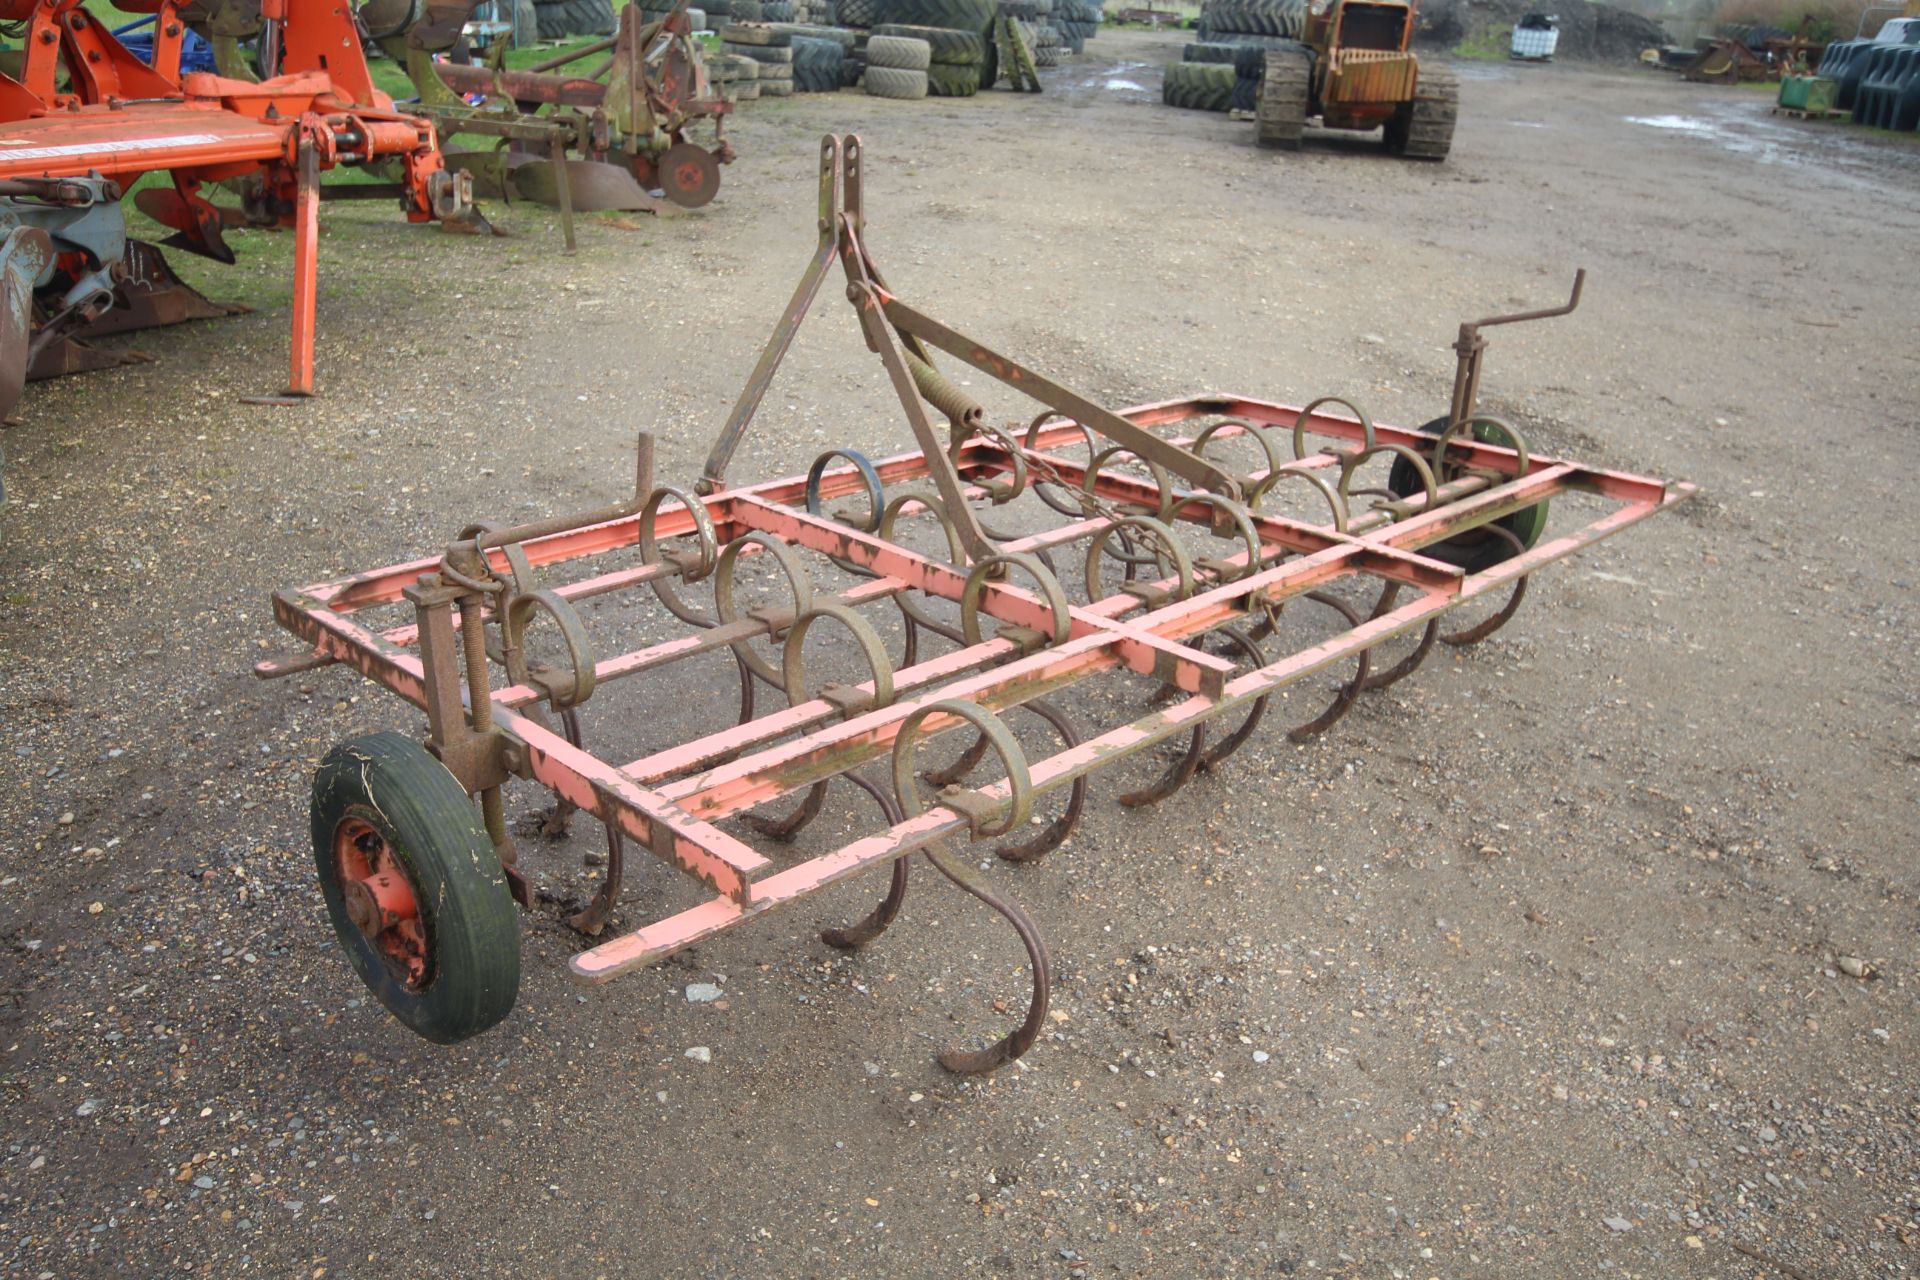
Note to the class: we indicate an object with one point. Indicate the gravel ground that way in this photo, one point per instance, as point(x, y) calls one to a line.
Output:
point(1590, 951)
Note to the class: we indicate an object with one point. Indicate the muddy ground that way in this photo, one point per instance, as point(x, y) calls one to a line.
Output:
point(1587, 952)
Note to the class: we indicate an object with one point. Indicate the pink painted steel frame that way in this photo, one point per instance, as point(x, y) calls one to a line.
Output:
point(669, 801)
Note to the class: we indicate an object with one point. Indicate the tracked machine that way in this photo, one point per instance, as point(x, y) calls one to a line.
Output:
point(1354, 68)
point(956, 640)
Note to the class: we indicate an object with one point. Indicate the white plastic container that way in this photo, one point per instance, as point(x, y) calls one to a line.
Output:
point(1535, 42)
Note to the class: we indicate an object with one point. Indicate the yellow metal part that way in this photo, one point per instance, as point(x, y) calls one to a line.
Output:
point(1357, 77)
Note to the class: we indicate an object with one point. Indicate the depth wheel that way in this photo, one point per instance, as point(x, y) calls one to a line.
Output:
point(413, 887)
point(1280, 109)
point(1473, 550)
point(689, 175)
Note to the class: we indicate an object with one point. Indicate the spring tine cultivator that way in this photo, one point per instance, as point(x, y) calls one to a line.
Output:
point(1105, 587)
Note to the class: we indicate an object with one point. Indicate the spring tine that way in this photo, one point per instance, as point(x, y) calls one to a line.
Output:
point(784, 829)
point(961, 767)
point(1174, 778)
point(875, 923)
point(1057, 831)
point(1349, 692)
point(1409, 664)
point(1480, 631)
point(1220, 750)
point(973, 1062)
point(591, 919)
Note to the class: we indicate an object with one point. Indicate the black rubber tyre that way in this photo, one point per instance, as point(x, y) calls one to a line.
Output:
point(1210, 53)
point(945, 81)
point(1198, 86)
point(944, 47)
point(1025, 10)
point(902, 52)
point(1423, 130)
point(855, 13)
point(776, 10)
point(575, 18)
point(990, 65)
point(1472, 552)
point(816, 65)
point(894, 82)
point(765, 54)
point(1256, 17)
point(384, 799)
point(1280, 113)
point(1046, 55)
point(746, 10)
point(851, 69)
point(1246, 92)
point(952, 15)
point(775, 88)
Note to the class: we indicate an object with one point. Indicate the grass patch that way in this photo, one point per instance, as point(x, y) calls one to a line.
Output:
point(1489, 44)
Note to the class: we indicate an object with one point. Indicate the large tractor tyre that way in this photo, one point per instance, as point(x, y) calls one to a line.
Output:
point(1213, 52)
point(902, 52)
point(952, 15)
point(990, 65)
point(894, 82)
point(945, 81)
point(944, 46)
point(855, 13)
point(1046, 55)
point(1246, 93)
point(1423, 128)
point(574, 18)
point(1475, 550)
point(1256, 17)
point(1198, 86)
point(1280, 111)
point(746, 11)
point(414, 888)
point(816, 65)
point(1025, 10)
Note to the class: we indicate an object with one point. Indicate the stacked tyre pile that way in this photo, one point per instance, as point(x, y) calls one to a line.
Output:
point(1076, 21)
point(1037, 18)
point(771, 50)
point(1215, 77)
point(558, 19)
point(1198, 85)
point(896, 67)
point(696, 18)
point(1268, 24)
point(958, 36)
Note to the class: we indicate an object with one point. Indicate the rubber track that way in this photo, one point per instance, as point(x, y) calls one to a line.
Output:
point(1281, 112)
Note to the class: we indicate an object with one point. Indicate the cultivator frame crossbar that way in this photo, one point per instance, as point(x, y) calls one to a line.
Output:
point(473, 605)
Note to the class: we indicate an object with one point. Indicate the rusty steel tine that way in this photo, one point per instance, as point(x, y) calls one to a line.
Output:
point(593, 918)
point(1176, 777)
point(785, 829)
point(1349, 692)
point(1480, 631)
point(1411, 663)
point(1056, 832)
point(961, 767)
point(859, 934)
point(980, 1061)
point(1232, 742)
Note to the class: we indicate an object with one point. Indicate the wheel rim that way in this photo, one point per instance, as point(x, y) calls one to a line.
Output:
point(381, 901)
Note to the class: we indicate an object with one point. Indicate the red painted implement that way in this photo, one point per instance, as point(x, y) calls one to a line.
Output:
point(81, 106)
point(1190, 574)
